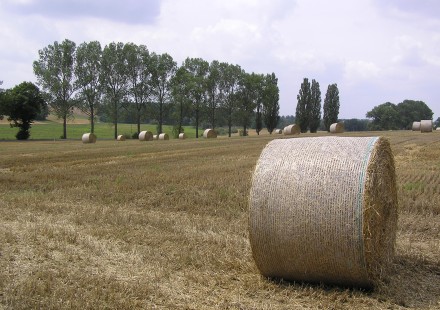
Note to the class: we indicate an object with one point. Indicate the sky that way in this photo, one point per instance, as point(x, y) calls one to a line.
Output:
point(375, 51)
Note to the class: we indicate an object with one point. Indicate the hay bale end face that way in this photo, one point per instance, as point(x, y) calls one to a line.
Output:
point(88, 138)
point(209, 134)
point(164, 136)
point(145, 136)
point(324, 210)
point(121, 138)
point(426, 125)
point(416, 126)
point(292, 130)
point(182, 136)
point(337, 127)
point(155, 137)
point(278, 131)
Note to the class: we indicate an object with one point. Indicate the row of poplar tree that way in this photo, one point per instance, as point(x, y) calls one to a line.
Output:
point(125, 75)
point(308, 108)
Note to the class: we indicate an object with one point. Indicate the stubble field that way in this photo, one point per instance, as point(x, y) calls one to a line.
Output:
point(163, 225)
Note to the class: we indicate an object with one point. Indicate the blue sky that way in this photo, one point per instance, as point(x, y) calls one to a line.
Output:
point(376, 51)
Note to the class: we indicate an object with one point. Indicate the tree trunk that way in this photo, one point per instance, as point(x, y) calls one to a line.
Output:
point(116, 122)
point(197, 123)
point(160, 117)
point(92, 120)
point(138, 122)
point(65, 126)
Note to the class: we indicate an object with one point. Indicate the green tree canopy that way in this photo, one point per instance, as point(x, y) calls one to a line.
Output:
point(22, 104)
point(314, 108)
point(412, 111)
point(271, 106)
point(385, 117)
point(302, 116)
point(331, 106)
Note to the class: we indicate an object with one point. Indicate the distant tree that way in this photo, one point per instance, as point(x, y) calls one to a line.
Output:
point(259, 95)
point(271, 106)
point(88, 72)
point(384, 117)
point(247, 98)
point(213, 91)
point(198, 68)
point(331, 106)
point(230, 84)
point(22, 104)
point(55, 74)
point(163, 68)
point(437, 122)
point(285, 121)
point(355, 124)
point(302, 116)
point(411, 111)
point(44, 112)
point(314, 107)
point(181, 85)
point(114, 80)
point(139, 79)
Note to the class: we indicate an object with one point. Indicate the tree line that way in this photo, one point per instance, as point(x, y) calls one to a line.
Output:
point(125, 77)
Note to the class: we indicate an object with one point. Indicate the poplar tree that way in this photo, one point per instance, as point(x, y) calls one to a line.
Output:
point(302, 117)
point(314, 107)
point(331, 106)
point(271, 106)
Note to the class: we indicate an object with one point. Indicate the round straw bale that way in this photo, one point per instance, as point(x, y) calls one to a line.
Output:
point(164, 136)
point(438, 128)
point(324, 210)
point(182, 135)
point(337, 127)
point(145, 136)
point(292, 130)
point(209, 134)
point(426, 125)
point(155, 137)
point(416, 126)
point(88, 138)
point(278, 131)
point(121, 138)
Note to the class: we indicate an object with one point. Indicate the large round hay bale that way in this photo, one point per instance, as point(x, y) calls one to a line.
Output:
point(88, 138)
point(426, 125)
point(145, 136)
point(416, 126)
point(278, 131)
point(209, 134)
point(337, 127)
point(182, 136)
point(324, 210)
point(292, 130)
point(164, 136)
point(121, 138)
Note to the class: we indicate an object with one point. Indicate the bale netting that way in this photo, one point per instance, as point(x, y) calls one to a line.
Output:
point(121, 138)
point(209, 134)
point(164, 136)
point(182, 136)
point(88, 138)
point(278, 131)
point(337, 128)
point(324, 210)
point(292, 130)
point(426, 125)
point(145, 136)
point(416, 126)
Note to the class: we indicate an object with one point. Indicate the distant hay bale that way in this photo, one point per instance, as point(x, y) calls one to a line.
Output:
point(278, 131)
point(426, 125)
point(438, 128)
point(182, 136)
point(337, 127)
point(121, 138)
point(155, 137)
point(88, 138)
point(292, 130)
point(324, 210)
point(145, 136)
point(164, 136)
point(209, 134)
point(416, 126)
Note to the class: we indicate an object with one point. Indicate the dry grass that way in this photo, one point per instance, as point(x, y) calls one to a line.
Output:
point(137, 225)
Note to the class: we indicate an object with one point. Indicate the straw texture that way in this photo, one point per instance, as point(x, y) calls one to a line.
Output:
point(121, 138)
point(278, 131)
point(426, 125)
point(337, 128)
point(164, 136)
point(209, 134)
point(182, 136)
point(416, 126)
point(145, 136)
point(324, 210)
point(88, 138)
point(292, 130)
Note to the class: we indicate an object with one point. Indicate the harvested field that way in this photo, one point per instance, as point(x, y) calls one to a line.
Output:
point(113, 225)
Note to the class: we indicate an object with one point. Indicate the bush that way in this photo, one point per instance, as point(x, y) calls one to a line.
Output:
point(135, 135)
point(221, 131)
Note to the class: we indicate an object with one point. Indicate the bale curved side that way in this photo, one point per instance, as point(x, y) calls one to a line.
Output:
point(324, 210)
point(278, 131)
point(164, 136)
point(337, 127)
point(426, 125)
point(416, 126)
point(292, 130)
point(88, 138)
point(182, 136)
point(209, 134)
point(145, 136)
point(121, 138)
